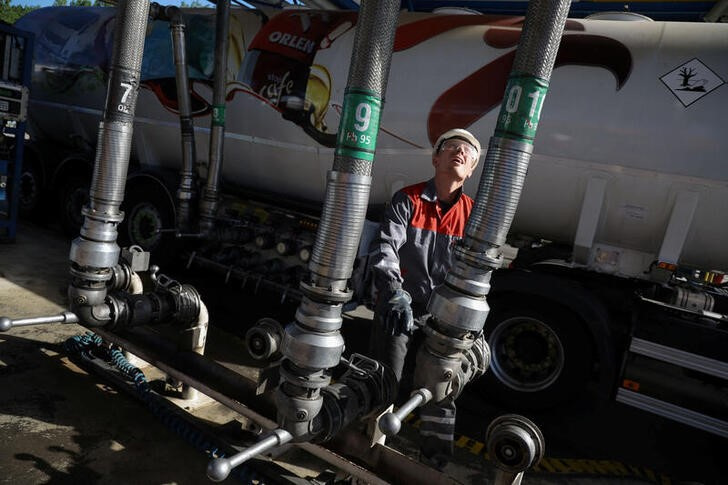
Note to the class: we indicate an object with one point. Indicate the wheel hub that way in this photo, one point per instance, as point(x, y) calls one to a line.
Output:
point(145, 225)
point(527, 354)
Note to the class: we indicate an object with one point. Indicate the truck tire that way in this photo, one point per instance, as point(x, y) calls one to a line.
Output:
point(541, 354)
point(32, 202)
point(73, 195)
point(149, 218)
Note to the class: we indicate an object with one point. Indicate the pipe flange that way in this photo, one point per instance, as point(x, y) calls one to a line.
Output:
point(514, 443)
point(474, 281)
point(94, 254)
point(297, 408)
point(120, 277)
point(312, 350)
point(328, 295)
point(444, 344)
point(461, 312)
point(91, 275)
point(103, 217)
point(500, 143)
point(478, 260)
point(302, 378)
point(321, 317)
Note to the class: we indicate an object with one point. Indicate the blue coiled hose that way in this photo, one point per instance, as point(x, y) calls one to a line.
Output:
point(91, 345)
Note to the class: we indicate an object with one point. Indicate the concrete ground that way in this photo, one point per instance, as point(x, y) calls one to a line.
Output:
point(60, 424)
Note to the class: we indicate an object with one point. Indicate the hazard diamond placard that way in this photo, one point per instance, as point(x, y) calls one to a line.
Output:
point(691, 81)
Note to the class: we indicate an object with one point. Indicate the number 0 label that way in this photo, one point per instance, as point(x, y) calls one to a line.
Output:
point(521, 110)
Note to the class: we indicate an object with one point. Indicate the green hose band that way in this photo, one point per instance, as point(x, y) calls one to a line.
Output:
point(218, 115)
point(357, 137)
point(521, 108)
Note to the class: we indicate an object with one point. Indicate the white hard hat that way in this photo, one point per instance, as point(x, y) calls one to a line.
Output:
point(460, 134)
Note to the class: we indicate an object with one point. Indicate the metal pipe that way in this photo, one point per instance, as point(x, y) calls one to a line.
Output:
point(313, 344)
point(136, 287)
point(509, 151)
point(210, 194)
point(95, 252)
point(187, 191)
point(195, 338)
point(459, 307)
point(8, 323)
point(230, 389)
point(391, 423)
point(219, 468)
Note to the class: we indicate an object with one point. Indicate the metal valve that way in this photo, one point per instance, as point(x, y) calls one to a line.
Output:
point(219, 468)
point(391, 423)
point(65, 317)
point(264, 339)
point(515, 445)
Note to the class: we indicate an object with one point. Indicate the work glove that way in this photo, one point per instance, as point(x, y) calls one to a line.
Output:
point(396, 313)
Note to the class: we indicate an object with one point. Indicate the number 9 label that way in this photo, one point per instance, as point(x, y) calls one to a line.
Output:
point(357, 137)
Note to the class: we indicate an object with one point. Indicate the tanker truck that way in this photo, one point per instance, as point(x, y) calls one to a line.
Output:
point(617, 279)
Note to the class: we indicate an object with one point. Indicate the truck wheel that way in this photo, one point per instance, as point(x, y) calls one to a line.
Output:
point(74, 195)
point(541, 354)
point(149, 218)
point(31, 194)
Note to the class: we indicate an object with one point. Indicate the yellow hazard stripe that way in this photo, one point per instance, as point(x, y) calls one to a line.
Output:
point(563, 466)
point(574, 466)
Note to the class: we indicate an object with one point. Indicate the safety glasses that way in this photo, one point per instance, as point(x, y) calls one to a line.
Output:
point(455, 145)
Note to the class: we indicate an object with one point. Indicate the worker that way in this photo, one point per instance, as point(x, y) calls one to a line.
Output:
point(409, 258)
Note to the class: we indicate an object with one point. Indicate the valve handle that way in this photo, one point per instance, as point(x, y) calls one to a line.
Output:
point(391, 423)
point(65, 317)
point(219, 468)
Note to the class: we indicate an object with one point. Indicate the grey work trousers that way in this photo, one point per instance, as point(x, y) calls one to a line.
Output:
point(397, 349)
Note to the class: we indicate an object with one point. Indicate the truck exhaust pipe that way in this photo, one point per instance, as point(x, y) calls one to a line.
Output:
point(459, 307)
point(312, 345)
point(211, 193)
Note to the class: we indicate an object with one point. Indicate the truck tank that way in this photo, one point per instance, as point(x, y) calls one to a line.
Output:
point(629, 161)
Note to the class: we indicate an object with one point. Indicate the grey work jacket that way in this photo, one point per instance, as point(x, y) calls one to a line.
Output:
point(414, 249)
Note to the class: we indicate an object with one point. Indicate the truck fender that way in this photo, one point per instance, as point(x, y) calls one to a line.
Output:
point(571, 295)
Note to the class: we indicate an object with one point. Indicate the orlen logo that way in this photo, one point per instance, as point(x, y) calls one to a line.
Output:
point(293, 41)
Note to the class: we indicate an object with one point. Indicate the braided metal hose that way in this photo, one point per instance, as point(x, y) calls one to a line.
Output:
point(186, 192)
point(211, 192)
point(95, 252)
point(509, 150)
point(312, 344)
point(459, 307)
